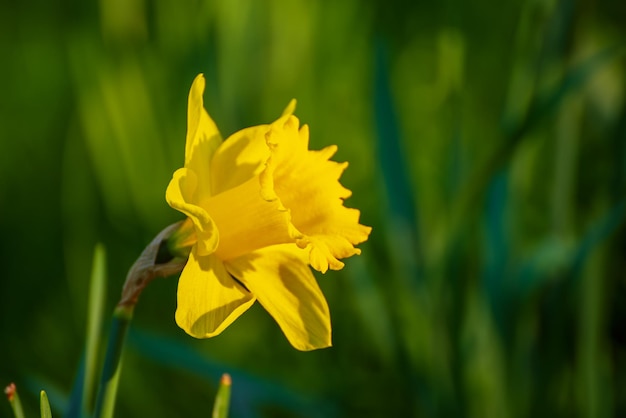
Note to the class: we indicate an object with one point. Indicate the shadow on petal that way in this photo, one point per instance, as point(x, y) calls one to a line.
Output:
point(281, 280)
point(216, 320)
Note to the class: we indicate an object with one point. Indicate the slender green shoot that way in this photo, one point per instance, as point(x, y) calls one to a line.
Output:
point(44, 405)
point(222, 400)
point(97, 298)
point(14, 400)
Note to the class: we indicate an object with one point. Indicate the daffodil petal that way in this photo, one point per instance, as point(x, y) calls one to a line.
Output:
point(180, 196)
point(244, 154)
point(248, 221)
point(241, 157)
point(203, 137)
point(209, 299)
point(307, 183)
point(281, 280)
point(291, 107)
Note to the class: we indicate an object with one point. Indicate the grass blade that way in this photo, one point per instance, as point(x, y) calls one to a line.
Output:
point(222, 399)
point(44, 405)
point(400, 196)
point(97, 296)
point(107, 391)
point(14, 400)
point(595, 236)
point(84, 385)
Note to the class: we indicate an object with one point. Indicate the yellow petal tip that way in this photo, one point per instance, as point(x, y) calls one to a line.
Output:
point(290, 109)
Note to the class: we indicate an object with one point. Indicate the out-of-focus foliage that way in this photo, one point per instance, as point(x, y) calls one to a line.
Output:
point(487, 148)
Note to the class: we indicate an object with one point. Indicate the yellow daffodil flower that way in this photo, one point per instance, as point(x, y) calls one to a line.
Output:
point(261, 208)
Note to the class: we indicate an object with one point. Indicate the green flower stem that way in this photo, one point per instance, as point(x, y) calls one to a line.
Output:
point(152, 263)
point(105, 401)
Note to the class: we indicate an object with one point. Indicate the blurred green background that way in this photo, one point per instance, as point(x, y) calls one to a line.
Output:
point(487, 148)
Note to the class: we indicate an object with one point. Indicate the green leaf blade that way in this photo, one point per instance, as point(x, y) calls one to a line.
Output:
point(97, 296)
point(44, 405)
point(222, 400)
